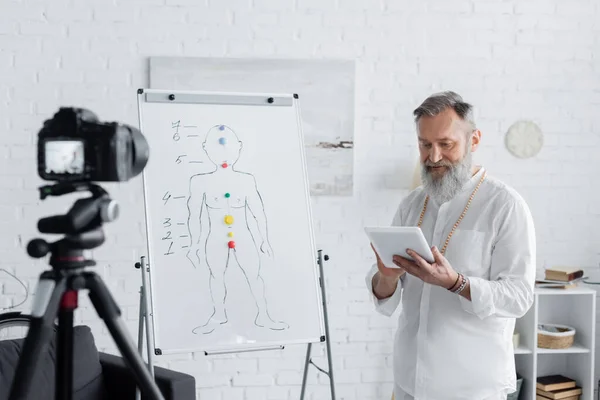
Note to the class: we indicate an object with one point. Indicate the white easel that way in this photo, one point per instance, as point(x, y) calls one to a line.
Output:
point(160, 108)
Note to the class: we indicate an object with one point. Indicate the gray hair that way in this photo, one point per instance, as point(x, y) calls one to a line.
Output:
point(439, 102)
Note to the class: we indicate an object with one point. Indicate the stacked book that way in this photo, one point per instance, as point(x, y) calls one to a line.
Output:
point(561, 278)
point(557, 387)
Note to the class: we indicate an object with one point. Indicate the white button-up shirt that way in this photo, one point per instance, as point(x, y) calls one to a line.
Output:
point(447, 347)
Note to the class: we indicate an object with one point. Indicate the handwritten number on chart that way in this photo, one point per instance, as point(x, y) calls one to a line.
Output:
point(175, 125)
point(166, 197)
point(169, 233)
point(169, 252)
point(167, 224)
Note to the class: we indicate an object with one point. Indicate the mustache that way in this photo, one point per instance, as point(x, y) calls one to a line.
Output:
point(438, 164)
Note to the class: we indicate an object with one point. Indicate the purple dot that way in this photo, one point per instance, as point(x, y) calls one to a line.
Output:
point(222, 128)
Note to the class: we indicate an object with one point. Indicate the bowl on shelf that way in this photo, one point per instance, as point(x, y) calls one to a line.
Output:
point(555, 336)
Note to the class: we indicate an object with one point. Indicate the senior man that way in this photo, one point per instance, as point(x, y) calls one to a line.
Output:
point(457, 315)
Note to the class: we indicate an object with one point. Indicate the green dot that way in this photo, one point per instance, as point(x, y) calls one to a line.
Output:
point(227, 195)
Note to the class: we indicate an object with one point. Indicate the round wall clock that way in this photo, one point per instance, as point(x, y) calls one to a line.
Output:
point(524, 139)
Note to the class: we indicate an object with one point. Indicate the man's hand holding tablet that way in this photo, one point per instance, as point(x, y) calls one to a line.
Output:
point(386, 281)
point(404, 249)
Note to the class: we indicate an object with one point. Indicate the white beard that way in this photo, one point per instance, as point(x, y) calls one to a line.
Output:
point(446, 187)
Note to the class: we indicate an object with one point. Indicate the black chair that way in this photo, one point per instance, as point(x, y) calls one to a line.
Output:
point(96, 375)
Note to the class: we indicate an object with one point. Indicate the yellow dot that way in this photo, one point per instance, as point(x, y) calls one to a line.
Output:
point(230, 234)
point(228, 219)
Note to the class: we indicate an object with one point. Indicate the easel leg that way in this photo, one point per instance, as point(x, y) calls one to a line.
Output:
point(148, 315)
point(327, 339)
point(140, 334)
point(144, 322)
point(327, 335)
point(141, 322)
point(306, 364)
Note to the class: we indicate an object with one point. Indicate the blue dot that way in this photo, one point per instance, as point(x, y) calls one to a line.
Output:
point(222, 128)
point(222, 140)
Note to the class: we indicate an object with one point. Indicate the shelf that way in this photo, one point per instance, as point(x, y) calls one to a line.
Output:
point(575, 349)
point(522, 350)
point(572, 307)
point(582, 289)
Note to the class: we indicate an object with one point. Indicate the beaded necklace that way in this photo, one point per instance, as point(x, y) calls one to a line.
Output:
point(459, 218)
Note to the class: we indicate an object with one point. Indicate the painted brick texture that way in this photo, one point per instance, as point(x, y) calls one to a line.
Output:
point(537, 60)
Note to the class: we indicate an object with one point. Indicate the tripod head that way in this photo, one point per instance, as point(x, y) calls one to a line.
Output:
point(81, 225)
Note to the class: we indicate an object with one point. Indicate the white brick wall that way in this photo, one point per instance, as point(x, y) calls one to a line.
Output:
point(528, 59)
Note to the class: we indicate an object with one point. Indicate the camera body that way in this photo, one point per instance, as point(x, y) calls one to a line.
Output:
point(74, 146)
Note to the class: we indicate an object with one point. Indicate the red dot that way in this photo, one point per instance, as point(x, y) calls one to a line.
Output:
point(224, 165)
point(231, 244)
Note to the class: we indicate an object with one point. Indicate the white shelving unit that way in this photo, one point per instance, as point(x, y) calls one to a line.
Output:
point(573, 307)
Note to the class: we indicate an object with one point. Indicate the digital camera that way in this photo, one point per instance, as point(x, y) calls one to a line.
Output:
point(74, 146)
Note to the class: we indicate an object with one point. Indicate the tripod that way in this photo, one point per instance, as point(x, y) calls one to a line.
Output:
point(57, 293)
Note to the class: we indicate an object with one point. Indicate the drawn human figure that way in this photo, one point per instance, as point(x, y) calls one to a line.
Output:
point(234, 227)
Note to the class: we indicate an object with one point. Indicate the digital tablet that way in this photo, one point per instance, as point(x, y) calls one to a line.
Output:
point(394, 240)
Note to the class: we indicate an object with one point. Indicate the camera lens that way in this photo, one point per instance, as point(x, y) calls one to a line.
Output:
point(139, 153)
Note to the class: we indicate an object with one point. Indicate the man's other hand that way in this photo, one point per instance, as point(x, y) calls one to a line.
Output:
point(385, 281)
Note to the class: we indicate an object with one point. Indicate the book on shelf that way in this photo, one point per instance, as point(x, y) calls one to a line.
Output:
point(545, 283)
point(560, 278)
point(563, 274)
point(557, 387)
point(555, 382)
point(566, 394)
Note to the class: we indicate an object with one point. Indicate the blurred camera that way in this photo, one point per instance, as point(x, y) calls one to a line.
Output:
point(74, 146)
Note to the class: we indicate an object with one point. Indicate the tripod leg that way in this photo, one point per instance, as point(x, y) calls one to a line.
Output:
point(109, 311)
point(64, 348)
point(41, 329)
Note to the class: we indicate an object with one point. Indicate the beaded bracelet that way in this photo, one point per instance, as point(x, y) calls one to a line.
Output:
point(462, 285)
